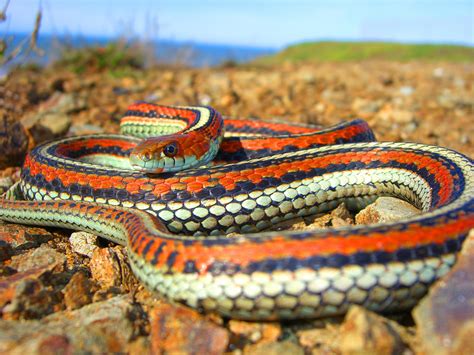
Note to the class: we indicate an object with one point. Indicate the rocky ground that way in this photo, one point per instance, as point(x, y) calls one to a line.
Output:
point(75, 292)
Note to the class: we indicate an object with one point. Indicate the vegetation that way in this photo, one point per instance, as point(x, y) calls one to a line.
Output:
point(358, 51)
point(115, 57)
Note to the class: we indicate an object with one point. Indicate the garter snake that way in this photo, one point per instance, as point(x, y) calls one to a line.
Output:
point(174, 224)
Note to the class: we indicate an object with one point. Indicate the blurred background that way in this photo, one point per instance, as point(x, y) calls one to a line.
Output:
point(210, 32)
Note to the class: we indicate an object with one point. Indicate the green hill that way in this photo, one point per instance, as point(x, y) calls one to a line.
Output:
point(358, 51)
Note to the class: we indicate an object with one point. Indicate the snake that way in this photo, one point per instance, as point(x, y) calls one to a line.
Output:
point(210, 236)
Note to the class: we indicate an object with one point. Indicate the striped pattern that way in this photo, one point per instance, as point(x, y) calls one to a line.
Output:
point(267, 275)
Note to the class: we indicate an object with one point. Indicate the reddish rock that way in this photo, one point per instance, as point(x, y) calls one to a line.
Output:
point(31, 299)
point(175, 329)
point(42, 256)
point(275, 348)
point(13, 142)
point(255, 332)
point(445, 317)
point(23, 237)
point(103, 327)
point(109, 267)
point(5, 250)
point(323, 340)
point(365, 332)
point(8, 284)
point(78, 292)
point(386, 209)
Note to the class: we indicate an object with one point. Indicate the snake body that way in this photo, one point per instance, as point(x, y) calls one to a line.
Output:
point(174, 225)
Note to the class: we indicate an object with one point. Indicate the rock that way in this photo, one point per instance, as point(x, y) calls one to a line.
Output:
point(407, 90)
point(42, 256)
point(32, 299)
point(323, 340)
point(9, 282)
point(83, 243)
point(275, 348)
point(109, 268)
point(255, 332)
point(102, 327)
point(445, 317)
point(13, 142)
point(389, 114)
point(83, 129)
point(78, 292)
point(176, 329)
point(386, 209)
point(438, 72)
point(365, 332)
point(53, 118)
point(22, 237)
point(5, 250)
point(365, 107)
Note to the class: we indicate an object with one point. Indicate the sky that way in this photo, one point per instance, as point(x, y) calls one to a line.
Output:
point(261, 23)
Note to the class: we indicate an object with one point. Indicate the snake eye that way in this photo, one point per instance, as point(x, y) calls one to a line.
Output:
point(171, 149)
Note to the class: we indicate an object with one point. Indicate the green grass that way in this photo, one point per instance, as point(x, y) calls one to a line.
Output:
point(114, 57)
point(359, 51)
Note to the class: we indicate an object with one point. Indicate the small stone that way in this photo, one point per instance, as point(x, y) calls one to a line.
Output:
point(365, 107)
point(78, 291)
point(53, 119)
point(109, 267)
point(438, 72)
point(13, 142)
point(31, 299)
point(255, 332)
point(407, 90)
point(341, 216)
point(445, 317)
point(365, 332)
point(275, 348)
point(102, 327)
point(386, 209)
point(10, 280)
point(176, 329)
point(324, 339)
point(83, 243)
point(39, 257)
point(23, 237)
point(5, 250)
point(105, 267)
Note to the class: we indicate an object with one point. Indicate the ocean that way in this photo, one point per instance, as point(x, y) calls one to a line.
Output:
point(192, 54)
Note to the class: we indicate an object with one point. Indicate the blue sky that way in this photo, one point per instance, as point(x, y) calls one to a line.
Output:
point(252, 22)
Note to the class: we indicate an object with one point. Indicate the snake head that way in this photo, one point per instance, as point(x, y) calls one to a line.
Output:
point(158, 155)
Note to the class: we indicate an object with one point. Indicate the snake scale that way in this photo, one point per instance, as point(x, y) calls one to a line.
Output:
point(175, 224)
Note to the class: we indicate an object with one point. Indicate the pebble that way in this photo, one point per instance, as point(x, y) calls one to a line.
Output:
point(83, 243)
point(110, 268)
point(386, 209)
point(275, 348)
point(445, 317)
point(365, 332)
point(407, 90)
point(39, 257)
point(53, 118)
point(78, 292)
point(254, 331)
point(13, 142)
point(102, 327)
point(23, 237)
point(180, 330)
